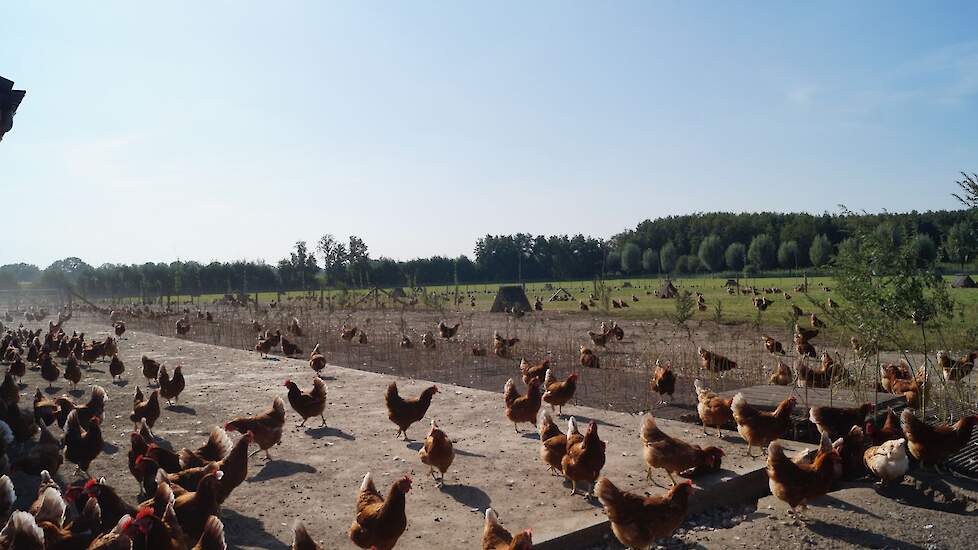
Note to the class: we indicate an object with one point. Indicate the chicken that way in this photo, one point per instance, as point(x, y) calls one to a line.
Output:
point(804, 347)
point(589, 359)
point(714, 411)
point(120, 537)
point(616, 330)
point(663, 380)
point(235, 466)
point(116, 367)
point(797, 484)
point(49, 370)
point(266, 427)
point(18, 368)
point(772, 345)
point(263, 346)
point(956, 370)
point(637, 520)
point(805, 333)
point(932, 445)
point(889, 431)
point(821, 376)
point(72, 372)
point(301, 539)
point(405, 342)
point(290, 349)
point(194, 508)
point(9, 392)
point(553, 443)
point(362, 338)
point(850, 448)
point(782, 375)
point(19, 422)
point(308, 405)
point(215, 449)
point(837, 421)
point(599, 340)
point(816, 322)
point(888, 460)
point(496, 537)
point(437, 453)
point(714, 362)
point(522, 408)
point(674, 455)
point(317, 362)
point(120, 328)
point(151, 370)
point(8, 496)
point(759, 428)
point(82, 446)
point(446, 331)
point(212, 538)
point(112, 505)
point(50, 517)
point(348, 333)
point(22, 533)
point(896, 377)
point(585, 457)
point(171, 388)
point(559, 393)
point(43, 455)
point(148, 410)
point(536, 372)
point(404, 412)
point(380, 521)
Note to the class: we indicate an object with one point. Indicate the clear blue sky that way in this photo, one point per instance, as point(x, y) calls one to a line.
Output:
point(225, 130)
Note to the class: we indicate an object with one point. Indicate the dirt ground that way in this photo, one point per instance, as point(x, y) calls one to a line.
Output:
point(316, 471)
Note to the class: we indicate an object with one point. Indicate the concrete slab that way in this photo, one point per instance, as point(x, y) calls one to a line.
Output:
point(316, 471)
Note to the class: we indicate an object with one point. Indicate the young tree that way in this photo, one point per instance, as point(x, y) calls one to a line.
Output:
point(358, 259)
point(711, 253)
point(613, 262)
point(788, 255)
point(650, 261)
point(821, 251)
point(334, 256)
point(960, 243)
point(735, 256)
point(925, 249)
point(631, 258)
point(667, 257)
point(762, 253)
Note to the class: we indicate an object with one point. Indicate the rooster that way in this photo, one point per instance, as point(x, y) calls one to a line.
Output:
point(446, 331)
point(713, 410)
point(404, 412)
point(663, 381)
point(266, 427)
point(637, 520)
point(559, 393)
point(496, 537)
point(380, 521)
point(760, 428)
point(932, 445)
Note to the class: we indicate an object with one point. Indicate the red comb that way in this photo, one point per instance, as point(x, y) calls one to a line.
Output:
point(144, 512)
point(90, 483)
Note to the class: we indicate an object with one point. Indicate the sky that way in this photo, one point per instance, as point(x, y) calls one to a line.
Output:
point(229, 130)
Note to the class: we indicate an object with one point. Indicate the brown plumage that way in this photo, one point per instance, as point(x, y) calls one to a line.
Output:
point(380, 521)
point(663, 381)
point(308, 405)
point(496, 537)
point(522, 408)
point(317, 362)
point(301, 539)
point(437, 453)
point(838, 421)
point(531, 371)
point(782, 375)
point(553, 442)
point(589, 359)
point(713, 410)
point(714, 362)
point(404, 412)
point(932, 445)
point(151, 369)
point(446, 331)
point(148, 410)
point(558, 393)
point(49, 370)
point(889, 431)
point(116, 367)
point(758, 428)
point(585, 456)
point(266, 427)
point(675, 455)
point(772, 345)
point(637, 520)
point(796, 484)
point(171, 388)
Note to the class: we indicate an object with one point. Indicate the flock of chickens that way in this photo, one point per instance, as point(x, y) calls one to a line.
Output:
point(183, 490)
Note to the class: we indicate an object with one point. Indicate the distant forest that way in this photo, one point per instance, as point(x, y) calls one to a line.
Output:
point(682, 245)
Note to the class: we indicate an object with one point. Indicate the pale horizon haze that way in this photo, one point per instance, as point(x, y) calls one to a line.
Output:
point(229, 130)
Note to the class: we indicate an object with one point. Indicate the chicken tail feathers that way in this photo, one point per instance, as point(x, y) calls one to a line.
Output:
point(212, 538)
point(23, 523)
point(7, 494)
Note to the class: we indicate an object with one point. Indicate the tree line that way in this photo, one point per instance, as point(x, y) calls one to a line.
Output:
point(716, 242)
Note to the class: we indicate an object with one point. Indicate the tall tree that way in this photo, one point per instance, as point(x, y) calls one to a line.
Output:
point(735, 256)
point(668, 257)
point(821, 251)
point(762, 252)
point(631, 258)
point(650, 261)
point(961, 243)
point(334, 256)
point(711, 253)
point(788, 255)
